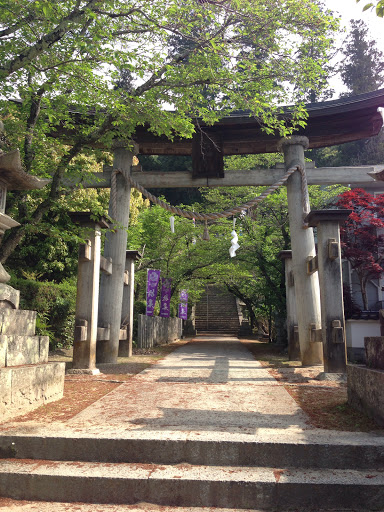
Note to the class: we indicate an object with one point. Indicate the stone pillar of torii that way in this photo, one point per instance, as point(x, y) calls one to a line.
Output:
point(317, 341)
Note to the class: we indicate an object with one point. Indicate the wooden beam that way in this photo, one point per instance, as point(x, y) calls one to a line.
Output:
point(359, 176)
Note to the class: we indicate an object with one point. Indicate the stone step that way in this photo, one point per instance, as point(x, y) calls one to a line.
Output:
point(16, 350)
point(194, 486)
point(17, 321)
point(214, 326)
point(225, 321)
point(222, 314)
point(225, 307)
point(46, 506)
point(216, 300)
point(217, 310)
point(219, 307)
point(312, 453)
point(217, 304)
point(217, 321)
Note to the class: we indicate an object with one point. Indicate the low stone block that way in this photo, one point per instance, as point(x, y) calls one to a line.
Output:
point(366, 391)
point(43, 349)
point(374, 351)
point(29, 387)
point(3, 351)
point(9, 297)
point(17, 321)
point(22, 350)
point(5, 390)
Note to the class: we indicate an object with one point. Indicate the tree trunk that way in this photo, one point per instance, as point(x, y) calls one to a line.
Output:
point(270, 325)
point(363, 288)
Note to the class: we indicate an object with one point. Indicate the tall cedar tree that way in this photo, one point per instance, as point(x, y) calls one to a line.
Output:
point(362, 236)
point(362, 71)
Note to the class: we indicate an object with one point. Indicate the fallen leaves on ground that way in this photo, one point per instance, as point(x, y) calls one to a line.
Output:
point(81, 391)
point(324, 402)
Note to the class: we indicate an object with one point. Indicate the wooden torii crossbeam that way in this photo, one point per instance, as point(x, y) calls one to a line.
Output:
point(354, 176)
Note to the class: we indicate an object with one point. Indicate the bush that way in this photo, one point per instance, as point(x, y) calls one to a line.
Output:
point(55, 305)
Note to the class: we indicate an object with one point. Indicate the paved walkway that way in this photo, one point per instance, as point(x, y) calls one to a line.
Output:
point(211, 388)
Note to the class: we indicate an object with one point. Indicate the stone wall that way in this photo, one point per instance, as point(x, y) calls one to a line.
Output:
point(366, 391)
point(27, 379)
point(366, 383)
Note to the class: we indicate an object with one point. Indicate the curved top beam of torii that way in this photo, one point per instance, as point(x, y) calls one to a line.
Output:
point(329, 123)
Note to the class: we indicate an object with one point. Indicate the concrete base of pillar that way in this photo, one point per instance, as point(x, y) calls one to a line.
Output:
point(294, 348)
point(83, 371)
point(333, 377)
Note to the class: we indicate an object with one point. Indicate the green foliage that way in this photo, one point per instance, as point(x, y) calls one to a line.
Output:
point(55, 305)
point(378, 5)
point(89, 72)
point(255, 275)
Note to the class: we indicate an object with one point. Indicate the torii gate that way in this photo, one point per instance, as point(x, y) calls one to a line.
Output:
point(329, 123)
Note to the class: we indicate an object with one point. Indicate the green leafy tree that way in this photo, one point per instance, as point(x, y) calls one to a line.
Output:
point(255, 275)
point(182, 255)
point(61, 62)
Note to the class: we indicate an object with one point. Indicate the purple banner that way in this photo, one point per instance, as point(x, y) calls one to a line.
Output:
point(183, 311)
point(183, 296)
point(165, 302)
point(183, 306)
point(153, 277)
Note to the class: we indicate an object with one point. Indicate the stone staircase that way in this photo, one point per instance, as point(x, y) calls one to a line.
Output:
point(216, 312)
point(326, 472)
point(27, 380)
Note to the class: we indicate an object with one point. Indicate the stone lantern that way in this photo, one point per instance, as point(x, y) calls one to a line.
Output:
point(12, 177)
point(27, 379)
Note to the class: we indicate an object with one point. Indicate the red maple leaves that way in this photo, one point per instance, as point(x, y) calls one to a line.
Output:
point(362, 236)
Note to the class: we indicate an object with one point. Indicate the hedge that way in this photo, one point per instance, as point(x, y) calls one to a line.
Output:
point(55, 305)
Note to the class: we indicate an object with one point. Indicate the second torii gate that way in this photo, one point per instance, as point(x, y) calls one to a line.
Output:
point(329, 123)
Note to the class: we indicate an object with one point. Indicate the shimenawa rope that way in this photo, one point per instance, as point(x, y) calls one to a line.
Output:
point(214, 216)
